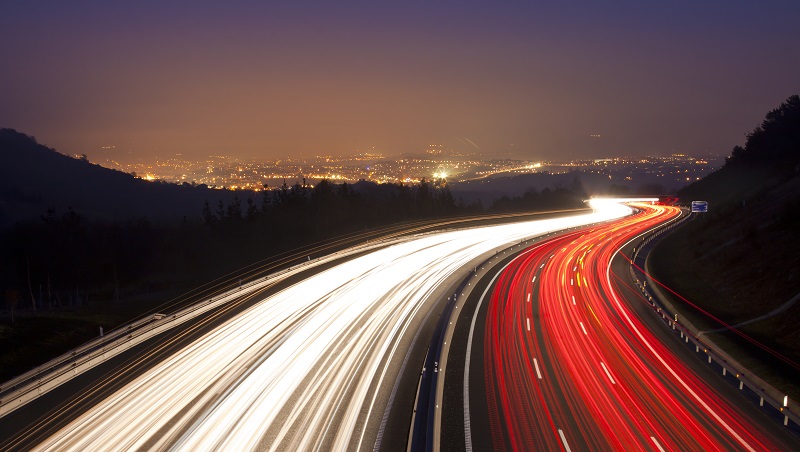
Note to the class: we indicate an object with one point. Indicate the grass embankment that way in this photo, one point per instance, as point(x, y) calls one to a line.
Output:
point(34, 339)
point(738, 262)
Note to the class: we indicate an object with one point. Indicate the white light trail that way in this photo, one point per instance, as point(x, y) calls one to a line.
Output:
point(298, 370)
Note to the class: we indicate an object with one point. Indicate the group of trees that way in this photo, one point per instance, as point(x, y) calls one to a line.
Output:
point(775, 142)
point(61, 260)
point(65, 259)
point(325, 207)
point(547, 199)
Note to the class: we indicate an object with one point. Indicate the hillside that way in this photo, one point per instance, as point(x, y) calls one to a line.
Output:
point(35, 178)
point(740, 260)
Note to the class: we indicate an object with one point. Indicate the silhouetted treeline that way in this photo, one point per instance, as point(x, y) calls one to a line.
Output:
point(63, 258)
point(73, 232)
point(776, 141)
point(547, 199)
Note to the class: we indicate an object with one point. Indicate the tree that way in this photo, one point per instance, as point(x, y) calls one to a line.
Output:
point(221, 210)
point(252, 210)
point(234, 209)
point(424, 199)
point(775, 141)
point(30, 286)
point(447, 203)
point(12, 300)
point(208, 217)
point(266, 200)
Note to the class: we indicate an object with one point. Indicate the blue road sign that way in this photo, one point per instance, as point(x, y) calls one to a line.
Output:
point(700, 206)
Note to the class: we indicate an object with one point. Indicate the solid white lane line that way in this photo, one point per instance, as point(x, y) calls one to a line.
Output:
point(467, 426)
point(607, 372)
point(564, 440)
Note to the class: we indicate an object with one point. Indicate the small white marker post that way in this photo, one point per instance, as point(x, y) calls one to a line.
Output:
point(785, 405)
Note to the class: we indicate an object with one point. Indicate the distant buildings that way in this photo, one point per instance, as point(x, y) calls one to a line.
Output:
point(435, 163)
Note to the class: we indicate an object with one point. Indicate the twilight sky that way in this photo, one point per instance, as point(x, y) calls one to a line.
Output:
point(257, 79)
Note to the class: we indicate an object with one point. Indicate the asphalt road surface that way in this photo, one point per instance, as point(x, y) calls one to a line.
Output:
point(566, 355)
point(301, 365)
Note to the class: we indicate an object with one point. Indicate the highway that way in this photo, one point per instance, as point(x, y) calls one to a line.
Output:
point(568, 359)
point(313, 366)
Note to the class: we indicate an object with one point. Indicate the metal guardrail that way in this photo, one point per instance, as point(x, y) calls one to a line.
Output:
point(690, 335)
point(26, 387)
point(22, 389)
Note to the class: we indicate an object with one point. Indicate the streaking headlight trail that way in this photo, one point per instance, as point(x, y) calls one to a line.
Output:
point(301, 369)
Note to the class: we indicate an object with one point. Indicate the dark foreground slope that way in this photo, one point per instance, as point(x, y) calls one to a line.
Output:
point(740, 262)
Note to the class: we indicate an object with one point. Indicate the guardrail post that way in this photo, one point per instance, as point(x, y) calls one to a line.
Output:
point(785, 405)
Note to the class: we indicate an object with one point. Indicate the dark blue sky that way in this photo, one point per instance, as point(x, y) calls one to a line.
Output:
point(259, 80)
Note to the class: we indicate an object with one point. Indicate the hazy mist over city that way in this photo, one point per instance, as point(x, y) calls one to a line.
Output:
point(134, 81)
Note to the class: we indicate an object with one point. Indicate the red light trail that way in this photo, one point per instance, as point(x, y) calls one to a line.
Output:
point(570, 366)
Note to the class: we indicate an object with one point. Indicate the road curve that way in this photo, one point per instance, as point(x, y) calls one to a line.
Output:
point(570, 366)
point(307, 368)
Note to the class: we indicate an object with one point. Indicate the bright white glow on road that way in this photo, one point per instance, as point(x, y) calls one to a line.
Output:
point(301, 369)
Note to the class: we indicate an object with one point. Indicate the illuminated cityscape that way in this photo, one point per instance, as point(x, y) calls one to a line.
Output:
point(227, 172)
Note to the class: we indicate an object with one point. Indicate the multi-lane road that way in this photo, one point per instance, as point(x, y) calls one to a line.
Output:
point(313, 366)
point(570, 361)
point(332, 362)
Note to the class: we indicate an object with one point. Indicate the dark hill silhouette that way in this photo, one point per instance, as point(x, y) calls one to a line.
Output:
point(740, 260)
point(35, 178)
